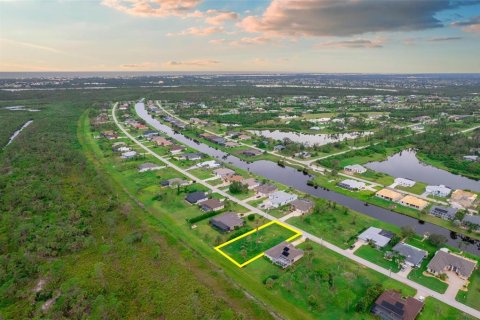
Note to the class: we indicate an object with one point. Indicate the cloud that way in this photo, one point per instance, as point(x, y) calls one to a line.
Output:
point(347, 17)
point(251, 41)
point(32, 45)
point(471, 25)
point(198, 63)
point(441, 39)
point(194, 31)
point(155, 8)
point(138, 65)
point(216, 17)
point(355, 43)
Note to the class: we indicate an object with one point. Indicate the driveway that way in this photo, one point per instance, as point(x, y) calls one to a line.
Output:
point(455, 283)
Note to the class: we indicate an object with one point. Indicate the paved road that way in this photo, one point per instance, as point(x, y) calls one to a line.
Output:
point(346, 253)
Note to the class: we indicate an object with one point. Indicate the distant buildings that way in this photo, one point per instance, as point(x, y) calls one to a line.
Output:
point(439, 191)
point(355, 168)
point(377, 236)
point(148, 167)
point(284, 254)
point(446, 261)
point(128, 154)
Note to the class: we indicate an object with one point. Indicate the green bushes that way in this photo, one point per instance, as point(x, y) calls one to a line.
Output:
point(202, 217)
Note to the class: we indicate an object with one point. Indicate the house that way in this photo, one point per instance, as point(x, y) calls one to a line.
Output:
point(378, 236)
point(235, 178)
point(280, 198)
point(174, 182)
point(250, 152)
point(148, 167)
point(351, 184)
point(212, 205)
point(243, 137)
point(279, 147)
point(176, 149)
point(231, 144)
point(251, 183)
point(149, 134)
point(266, 189)
point(161, 141)
point(302, 205)
point(128, 154)
point(208, 164)
point(284, 254)
point(439, 191)
point(223, 172)
point(227, 222)
point(355, 168)
point(123, 149)
point(471, 221)
point(118, 145)
point(196, 197)
point(191, 156)
point(392, 306)
point(462, 198)
point(470, 158)
point(445, 213)
point(303, 154)
point(413, 256)
point(446, 261)
point(389, 195)
point(110, 135)
point(404, 182)
point(413, 202)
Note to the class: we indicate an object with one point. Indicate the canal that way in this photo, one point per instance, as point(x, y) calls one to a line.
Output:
point(293, 178)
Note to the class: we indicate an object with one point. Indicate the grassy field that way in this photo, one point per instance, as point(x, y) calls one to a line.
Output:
point(377, 256)
point(258, 242)
point(430, 282)
point(418, 188)
point(472, 296)
point(435, 309)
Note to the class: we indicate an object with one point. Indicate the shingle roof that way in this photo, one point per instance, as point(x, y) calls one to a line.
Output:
point(196, 196)
point(376, 235)
point(412, 255)
point(443, 259)
point(227, 221)
point(392, 306)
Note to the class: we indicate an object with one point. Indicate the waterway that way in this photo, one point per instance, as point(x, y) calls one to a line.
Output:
point(405, 164)
point(298, 180)
point(16, 133)
point(309, 139)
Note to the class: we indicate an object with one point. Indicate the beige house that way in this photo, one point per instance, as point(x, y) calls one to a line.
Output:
point(389, 195)
point(413, 202)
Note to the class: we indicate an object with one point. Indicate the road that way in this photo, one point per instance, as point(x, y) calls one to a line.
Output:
point(346, 253)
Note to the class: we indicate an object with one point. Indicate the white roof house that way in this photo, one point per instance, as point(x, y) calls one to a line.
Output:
point(129, 154)
point(355, 168)
point(352, 184)
point(280, 198)
point(208, 164)
point(404, 182)
point(380, 237)
point(440, 191)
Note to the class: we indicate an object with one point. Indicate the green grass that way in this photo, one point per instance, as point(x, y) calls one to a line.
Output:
point(428, 281)
point(377, 256)
point(250, 246)
point(435, 309)
point(472, 296)
point(202, 173)
point(418, 188)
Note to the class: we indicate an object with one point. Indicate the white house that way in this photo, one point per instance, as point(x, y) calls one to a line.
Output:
point(280, 198)
point(355, 168)
point(208, 164)
point(129, 154)
point(439, 191)
point(404, 182)
point(352, 184)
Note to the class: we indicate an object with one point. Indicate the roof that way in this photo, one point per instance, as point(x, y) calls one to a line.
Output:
point(414, 201)
point(377, 235)
point(196, 196)
point(392, 306)
point(352, 184)
point(389, 194)
point(173, 181)
point(281, 197)
point(464, 198)
point(412, 254)
point(404, 181)
point(355, 167)
point(266, 188)
point(471, 219)
point(223, 171)
point(303, 205)
point(147, 165)
point(212, 204)
point(228, 220)
point(284, 250)
point(441, 189)
point(444, 259)
point(443, 211)
point(251, 182)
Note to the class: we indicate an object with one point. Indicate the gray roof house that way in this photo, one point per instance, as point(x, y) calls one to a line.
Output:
point(445, 213)
point(302, 205)
point(413, 256)
point(148, 167)
point(378, 236)
point(191, 156)
point(212, 205)
point(471, 220)
point(284, 254)
point(266, 189)
point(227, 221)
point(196, 197)
point(444, 260)
point(174, 182)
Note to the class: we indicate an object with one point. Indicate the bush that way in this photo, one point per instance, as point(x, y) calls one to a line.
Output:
point(251, 217)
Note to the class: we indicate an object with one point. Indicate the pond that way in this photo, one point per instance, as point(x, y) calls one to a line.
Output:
point(405, 164)
point(309, 139)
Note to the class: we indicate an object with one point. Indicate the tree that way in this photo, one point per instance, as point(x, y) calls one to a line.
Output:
point(437, 239)
point(237, 187)
point(407, 232)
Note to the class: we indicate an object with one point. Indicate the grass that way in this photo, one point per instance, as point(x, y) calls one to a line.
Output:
point(377, 256)
point(435, 309)
point(418, 188)
point(430, 282)
point(472, 296)
point(258, 242)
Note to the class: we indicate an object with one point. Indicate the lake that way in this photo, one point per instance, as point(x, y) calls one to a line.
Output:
point(309, 139)
point(405, 164)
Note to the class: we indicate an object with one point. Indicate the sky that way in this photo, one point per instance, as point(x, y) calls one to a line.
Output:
point(330, 36)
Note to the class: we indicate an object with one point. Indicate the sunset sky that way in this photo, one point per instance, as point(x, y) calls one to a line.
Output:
point(377, 36)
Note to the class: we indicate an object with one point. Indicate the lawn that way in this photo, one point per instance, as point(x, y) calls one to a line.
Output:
point(252, 245)
point(435, 309)
point(418, 188)
point(472, 296)
point(201, 173)
point(377, 256)
point(427, 281)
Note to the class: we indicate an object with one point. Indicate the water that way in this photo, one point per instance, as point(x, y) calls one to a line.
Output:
point(21, 108)
point(16, 133)
point(405, 164)
point(309, 139)
point(296, 179)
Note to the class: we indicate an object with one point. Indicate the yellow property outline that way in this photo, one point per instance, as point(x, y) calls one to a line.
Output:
point(241, 265)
